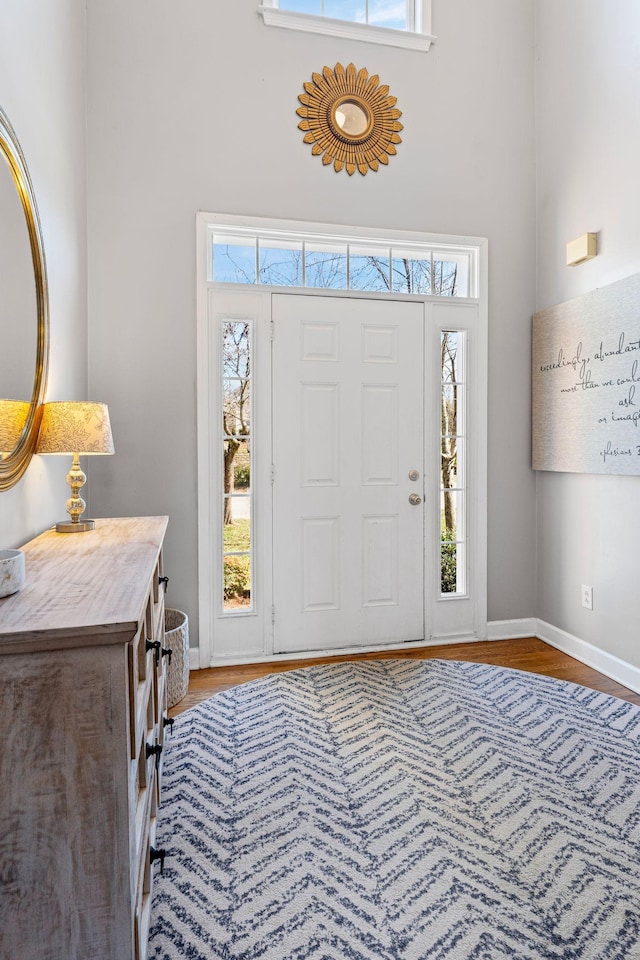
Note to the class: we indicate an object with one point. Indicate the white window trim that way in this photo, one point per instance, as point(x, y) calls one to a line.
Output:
point(256, 627)
point(310, 23)
point(297, 232)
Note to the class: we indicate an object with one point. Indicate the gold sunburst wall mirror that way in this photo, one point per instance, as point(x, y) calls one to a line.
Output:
point(349, 118)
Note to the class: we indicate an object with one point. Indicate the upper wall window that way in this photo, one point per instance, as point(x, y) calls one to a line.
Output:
point(399, 23)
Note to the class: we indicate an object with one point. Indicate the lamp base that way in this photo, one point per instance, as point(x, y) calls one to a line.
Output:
point(81, 527)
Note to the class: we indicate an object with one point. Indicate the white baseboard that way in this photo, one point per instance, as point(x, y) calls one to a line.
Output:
point(612, 666)
point(194, 658)
point(512, 629)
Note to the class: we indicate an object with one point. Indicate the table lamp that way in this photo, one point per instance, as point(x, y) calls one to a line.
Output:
point(80, 427)
point(13, 416)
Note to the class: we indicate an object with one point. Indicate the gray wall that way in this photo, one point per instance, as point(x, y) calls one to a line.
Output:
point(588, 158)
point(42, 91)
point(193, 108)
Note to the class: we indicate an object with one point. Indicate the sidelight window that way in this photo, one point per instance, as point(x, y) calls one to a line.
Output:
point(453, 438)
point(237, 497)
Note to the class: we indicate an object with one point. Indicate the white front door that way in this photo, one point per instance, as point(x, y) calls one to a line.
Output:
point(348, 435)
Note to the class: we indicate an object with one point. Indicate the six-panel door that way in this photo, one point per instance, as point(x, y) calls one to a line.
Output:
point(347, 446)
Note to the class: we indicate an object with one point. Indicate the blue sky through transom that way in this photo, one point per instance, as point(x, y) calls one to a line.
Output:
point(380, 13)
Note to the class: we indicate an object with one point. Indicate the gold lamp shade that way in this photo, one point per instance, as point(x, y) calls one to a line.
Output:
point(13, 417)
point(76, 427)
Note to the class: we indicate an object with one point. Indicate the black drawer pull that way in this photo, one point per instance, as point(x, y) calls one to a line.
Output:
point(154, 645)
point(151, 751)
point(168, 722)
point(157, 855)
point(166, 652)
point(165, 581)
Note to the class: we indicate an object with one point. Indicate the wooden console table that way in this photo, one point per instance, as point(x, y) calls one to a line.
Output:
point(83, 713)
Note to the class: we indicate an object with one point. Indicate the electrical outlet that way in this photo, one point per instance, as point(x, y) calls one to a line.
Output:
point(587, 597)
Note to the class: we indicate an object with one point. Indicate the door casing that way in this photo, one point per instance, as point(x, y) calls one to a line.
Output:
point(227, 639)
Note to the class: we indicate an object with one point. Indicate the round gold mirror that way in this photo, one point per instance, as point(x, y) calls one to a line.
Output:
point(24, 311)
point(350, 119)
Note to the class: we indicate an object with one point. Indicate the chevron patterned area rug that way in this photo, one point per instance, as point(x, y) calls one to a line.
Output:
point(401, 809)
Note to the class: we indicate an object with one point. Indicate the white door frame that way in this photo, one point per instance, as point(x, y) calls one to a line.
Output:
point(254, 631)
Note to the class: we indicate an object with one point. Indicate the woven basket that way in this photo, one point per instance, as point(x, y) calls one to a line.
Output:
point(176, 638)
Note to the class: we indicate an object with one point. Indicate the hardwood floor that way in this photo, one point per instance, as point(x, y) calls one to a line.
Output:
point(529, 654)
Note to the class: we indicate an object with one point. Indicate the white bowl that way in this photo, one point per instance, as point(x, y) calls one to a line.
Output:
point(11, 571)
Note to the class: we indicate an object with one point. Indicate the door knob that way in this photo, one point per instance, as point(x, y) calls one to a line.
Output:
point(415, 499)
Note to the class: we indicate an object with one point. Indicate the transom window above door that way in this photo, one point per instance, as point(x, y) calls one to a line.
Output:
point(278, 260)
point(404, 23)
